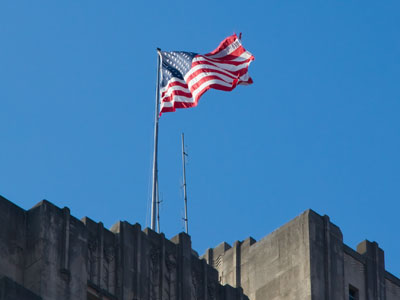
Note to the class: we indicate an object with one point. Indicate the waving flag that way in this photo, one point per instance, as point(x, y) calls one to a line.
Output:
point(185, 76)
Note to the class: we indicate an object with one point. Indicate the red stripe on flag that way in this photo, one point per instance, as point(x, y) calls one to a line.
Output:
point(207, 70)
point(233, 55)
point(239, 72)
point(217, 87)
point(224, 44)
point(205, 62)
point(172, 84)
point(176, 93)
point(230, 62)
point(208, 78)
point(178, 105)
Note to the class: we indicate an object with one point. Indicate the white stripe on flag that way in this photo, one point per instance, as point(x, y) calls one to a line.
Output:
point(228, 50)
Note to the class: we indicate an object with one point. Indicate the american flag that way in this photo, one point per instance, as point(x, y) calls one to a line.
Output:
point(185, 76)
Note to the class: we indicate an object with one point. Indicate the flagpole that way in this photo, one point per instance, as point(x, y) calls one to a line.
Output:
point(155, 154)
point(184, 183)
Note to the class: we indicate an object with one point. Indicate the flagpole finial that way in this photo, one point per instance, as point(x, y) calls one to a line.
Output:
point(159, 52)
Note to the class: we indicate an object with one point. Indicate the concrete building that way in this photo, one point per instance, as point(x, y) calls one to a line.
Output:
point(305, 259)
point(45, 253)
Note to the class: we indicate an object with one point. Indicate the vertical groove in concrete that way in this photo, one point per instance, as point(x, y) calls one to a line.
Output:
point(374, 270)
point(210, 258)
point(117, 262)
point(162, 268)
point(236, 257)
point(308, 239)
point(138, 248)
point(100, 254)
point(179, 268)
point(327, 250)
point(205, 278)
point(120, 274)
point(65, 265)
point(24, 261)
point(178, 289)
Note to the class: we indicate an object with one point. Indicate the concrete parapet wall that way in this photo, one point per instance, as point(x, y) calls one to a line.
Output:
point(12, 240)
point(392, 286)
point(276, 267)
point(55, 256)
point(354, 271)
point(46, 253)
point(305, 259)
point(326, 253)
point(10, 290)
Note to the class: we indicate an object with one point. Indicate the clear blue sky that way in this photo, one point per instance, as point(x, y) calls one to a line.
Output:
point(319, 128)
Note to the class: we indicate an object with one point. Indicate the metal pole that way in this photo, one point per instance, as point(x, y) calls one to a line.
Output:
point(158, 209)
point(155, 169)
point(184, 184)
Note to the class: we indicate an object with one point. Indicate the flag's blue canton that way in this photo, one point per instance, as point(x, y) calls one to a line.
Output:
point(175, 64)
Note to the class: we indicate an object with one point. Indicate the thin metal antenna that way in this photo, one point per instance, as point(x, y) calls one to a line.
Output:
point(158, 209)
point(184, 184)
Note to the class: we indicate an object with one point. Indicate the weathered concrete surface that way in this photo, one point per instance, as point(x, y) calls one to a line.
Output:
point(45, 253)
point(392, 285)
point(354, 271)
point(10, 290)
point(48, 254)
point(374, 270)
point(276, 267)
point(326, 253)
point(12, 240)
point(55, 254)
point(305, 259)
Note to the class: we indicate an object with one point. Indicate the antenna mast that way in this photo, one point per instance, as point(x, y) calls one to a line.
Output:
point(184, 184)
point(158, 209)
